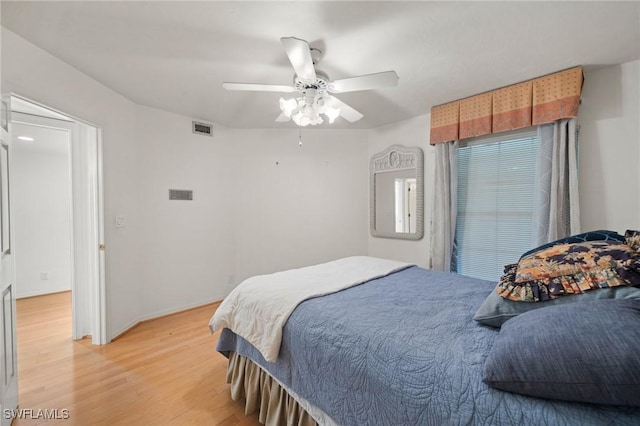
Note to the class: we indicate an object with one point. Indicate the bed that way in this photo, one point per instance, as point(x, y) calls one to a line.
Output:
point(401, 348)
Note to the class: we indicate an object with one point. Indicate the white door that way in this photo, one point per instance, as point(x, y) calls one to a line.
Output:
point(8, 352)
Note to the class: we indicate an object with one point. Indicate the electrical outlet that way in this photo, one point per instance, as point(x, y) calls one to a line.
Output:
point(231, 279)
point(44, 276)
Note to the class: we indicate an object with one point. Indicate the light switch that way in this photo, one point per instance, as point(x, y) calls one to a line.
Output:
point(120, 221)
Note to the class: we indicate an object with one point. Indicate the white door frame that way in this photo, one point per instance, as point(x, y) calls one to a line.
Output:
point(87, 218)
point(99, 320)
point(8, 346)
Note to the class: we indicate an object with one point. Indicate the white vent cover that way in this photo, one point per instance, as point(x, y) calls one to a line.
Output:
point(181, 194)
point(202, 128)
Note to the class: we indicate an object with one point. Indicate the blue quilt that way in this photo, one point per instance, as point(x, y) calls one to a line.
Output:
point(404, 350)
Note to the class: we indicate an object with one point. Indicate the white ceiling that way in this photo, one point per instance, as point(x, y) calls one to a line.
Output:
point(175, 55)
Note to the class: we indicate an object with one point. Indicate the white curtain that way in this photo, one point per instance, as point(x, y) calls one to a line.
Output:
point(443, 219)
point(557, 206)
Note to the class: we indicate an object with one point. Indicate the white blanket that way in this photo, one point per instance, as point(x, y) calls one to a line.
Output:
point(259, 307)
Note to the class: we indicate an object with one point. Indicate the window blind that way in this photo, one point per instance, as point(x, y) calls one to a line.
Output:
point(496, 200)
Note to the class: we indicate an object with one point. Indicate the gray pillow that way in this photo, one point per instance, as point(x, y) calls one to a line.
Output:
point(584, 352)
point(495, 310)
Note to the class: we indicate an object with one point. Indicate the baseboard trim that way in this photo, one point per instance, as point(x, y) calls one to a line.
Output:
point(163, 314)
point(31, 296)
point(124, 330)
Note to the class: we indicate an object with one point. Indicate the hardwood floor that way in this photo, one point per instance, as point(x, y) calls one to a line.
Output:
point(162, 372)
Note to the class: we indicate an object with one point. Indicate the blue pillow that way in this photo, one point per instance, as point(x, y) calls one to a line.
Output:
point(600, 235)
point(495, 310)
point(584, 352)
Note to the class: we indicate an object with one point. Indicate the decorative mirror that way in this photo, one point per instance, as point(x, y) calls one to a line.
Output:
point(396, 193)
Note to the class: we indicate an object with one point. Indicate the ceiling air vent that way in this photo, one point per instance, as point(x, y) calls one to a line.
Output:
point(202, 128)
point(181, 194)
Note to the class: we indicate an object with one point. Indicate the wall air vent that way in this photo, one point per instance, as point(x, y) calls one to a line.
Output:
point(202, 128)
point(181, 194)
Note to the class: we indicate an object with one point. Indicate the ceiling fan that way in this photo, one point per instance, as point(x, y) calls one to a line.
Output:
point(314, 87)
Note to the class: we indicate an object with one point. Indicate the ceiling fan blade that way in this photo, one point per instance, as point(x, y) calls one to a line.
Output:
point(346, 112)
point(259, 87)
point(283, 118)
point(365, 82)
point(299, 55)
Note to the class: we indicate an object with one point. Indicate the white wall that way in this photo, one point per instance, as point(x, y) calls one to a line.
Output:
point(42, 210)
point(610, 148)
point(33, 73)
point(188, 247)
point(249, 215)
point(295, 205)
point(412, 132)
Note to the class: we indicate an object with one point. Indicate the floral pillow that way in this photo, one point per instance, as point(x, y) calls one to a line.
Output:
point(572, 268)
point(633, 239)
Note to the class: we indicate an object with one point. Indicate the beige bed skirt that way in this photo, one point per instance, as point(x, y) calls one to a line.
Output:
point(262, 393)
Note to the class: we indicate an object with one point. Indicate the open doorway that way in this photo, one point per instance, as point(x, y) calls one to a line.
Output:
point(41, 179)
point(58, 230)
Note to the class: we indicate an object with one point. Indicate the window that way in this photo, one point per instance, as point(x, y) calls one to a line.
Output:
point(496, 202)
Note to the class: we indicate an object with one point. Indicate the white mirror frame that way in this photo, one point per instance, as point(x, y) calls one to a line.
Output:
point(397, 157)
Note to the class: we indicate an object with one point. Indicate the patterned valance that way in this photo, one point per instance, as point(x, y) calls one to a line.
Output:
point(444, 122)
point(557, 96)
point(475, 116)
point(512, 107)
point(525, 104)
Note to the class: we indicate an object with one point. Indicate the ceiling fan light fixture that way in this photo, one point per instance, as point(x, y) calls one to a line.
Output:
point(301, 119)
point(307, 110)
point(306, 116)
point(288, 106)
point(332, 114)
point(315, 87)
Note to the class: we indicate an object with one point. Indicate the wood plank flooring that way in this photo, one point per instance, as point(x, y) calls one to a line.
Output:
point(162, 372)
